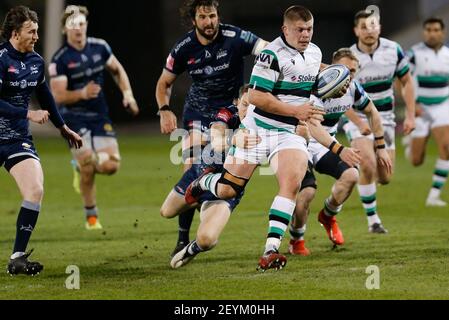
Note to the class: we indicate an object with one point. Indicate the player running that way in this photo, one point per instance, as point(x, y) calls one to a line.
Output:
point(333, 161)
point(77, 80)
point(430, 66)
point(213, 56)
point(22, 72)
point(381, 61)
point(282, 81)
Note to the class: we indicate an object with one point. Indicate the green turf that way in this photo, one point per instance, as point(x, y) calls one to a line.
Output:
point(129, 259)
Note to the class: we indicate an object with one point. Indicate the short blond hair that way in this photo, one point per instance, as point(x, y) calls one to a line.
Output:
point(67, 13)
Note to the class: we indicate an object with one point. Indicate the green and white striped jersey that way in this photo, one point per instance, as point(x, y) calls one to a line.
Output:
point(355, 98)
point(287, 74)
point(431, 73)
point(377, 73)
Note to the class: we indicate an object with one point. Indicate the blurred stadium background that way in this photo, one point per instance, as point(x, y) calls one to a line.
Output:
point(129, 258)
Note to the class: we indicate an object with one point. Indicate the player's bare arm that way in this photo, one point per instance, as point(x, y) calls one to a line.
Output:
point(163, 93)
point(62, 95)
point(268, 103)
point(122, 80)
point(408, 93)
point(349, 155)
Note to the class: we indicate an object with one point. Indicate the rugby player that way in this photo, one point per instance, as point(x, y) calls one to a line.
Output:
point(213, 56)
point(22, 72)
point(430, 67)
point(77, 79)
point(327, 161)
point(381, 61)
point(282, 81)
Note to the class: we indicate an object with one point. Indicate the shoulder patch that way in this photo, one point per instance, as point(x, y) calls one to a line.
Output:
point(229, 33)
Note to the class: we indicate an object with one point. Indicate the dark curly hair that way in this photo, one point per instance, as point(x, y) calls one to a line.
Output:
point(188, 10)
point(15, 18)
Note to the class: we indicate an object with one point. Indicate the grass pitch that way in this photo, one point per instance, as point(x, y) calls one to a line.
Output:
point(129, 258)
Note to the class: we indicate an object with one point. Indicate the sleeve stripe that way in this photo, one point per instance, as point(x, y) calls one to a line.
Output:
point(262, 83)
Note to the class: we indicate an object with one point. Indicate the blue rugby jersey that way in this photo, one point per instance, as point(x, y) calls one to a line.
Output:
point(215, 69)
point(81, 67)
point(20, 75)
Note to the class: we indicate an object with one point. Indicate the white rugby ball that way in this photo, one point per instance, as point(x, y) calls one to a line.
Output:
point(330, 80)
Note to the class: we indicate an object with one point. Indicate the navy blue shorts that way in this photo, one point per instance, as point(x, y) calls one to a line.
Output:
point(193, 119)
point(194, 172)
point(11, 153)
point(97, 126)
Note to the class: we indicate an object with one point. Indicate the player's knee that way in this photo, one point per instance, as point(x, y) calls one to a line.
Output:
point(229, 185)
point(368, 170)
point(384, 180)
point(289, 186)
point(417, 160)
point(350, 176)
point(307, 195)
point(226, 192)
point(165, 212)
point(206, 240)
point(108, 163)
point(110, 167)
point(304, 200)
point(35, 193)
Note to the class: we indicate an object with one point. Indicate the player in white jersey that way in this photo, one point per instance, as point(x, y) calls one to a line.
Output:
point(328, 161)
point(381, 61)
point(282, 81)
point(430, 67)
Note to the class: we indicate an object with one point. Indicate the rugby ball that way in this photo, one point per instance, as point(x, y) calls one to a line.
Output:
point(330, 80)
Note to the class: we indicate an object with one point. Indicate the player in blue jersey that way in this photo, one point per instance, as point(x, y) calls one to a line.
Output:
point(214, 212)
point(77, 79)
point(213, 56)
point(22, 72)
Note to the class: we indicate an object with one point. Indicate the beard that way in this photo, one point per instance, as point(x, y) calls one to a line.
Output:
point(208, 36)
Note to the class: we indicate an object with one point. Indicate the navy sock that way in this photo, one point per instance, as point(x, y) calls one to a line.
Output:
point(194, 248)
point(26, 221)
point(185, 221)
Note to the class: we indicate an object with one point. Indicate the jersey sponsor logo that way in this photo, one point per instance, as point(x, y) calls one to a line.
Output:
point(222, 67)
point(26, 145)
point(12, 69)
point(96, 58)
point(170, 62)
point(34, 69)
point(264, 60)
point(221, 54)
point(306, 78)
point(23, 84)
point(208, 70)
point(228, 33)
point(22, 65)
point(84, 58)
point(181, 44)
point(3, 51)
point(208, 55)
